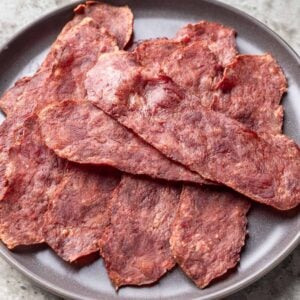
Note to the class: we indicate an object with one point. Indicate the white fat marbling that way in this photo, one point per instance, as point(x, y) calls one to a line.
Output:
point(282, 16)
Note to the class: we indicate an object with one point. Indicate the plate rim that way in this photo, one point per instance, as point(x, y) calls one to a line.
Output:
point(275, 261)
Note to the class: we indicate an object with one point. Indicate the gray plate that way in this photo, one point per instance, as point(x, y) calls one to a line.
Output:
point(273, 235)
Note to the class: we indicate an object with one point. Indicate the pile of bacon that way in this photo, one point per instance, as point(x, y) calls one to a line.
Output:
point(145, 156)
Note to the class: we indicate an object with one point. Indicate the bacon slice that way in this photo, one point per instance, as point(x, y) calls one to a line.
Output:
point(135, 246)
point(208, 142)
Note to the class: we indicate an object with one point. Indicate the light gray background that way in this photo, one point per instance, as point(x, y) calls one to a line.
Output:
point(282, 16)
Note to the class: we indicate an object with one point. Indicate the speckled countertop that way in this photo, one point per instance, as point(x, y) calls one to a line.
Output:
point(282, 16)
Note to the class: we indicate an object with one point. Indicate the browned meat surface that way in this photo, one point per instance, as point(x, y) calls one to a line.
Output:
point(197, 70)
point(186, 64)
point(33, 172)
point(135, 247)
point(219, 38)
point(161, 118)
point(48, 200)
point(253, 86)
point(30, 191)
point(78, 212)
point(209, 232)
point(260, 103)
point(118, 20)
point(9, 100)
point(208, 142)
point(66, 79)
point(63, 85)
point(194, 68)
point(102, 14)
point(18, 155)
point(79, 145)
point(257, 85)
point(72, 62)
point(86, 33)
point(73, 130)
point(68, 68)
point(82, 133)
point(12, 95)
point(152, 53)
point(250, 90)
point(5, 133)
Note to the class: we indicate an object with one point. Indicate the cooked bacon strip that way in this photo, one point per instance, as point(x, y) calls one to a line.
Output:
point(135, 246)
point(208, 142)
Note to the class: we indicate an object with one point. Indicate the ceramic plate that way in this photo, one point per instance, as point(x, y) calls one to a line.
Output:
point(272, 235)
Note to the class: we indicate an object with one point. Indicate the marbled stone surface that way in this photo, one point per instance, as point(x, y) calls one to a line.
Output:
point(283, 283)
